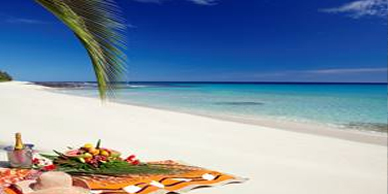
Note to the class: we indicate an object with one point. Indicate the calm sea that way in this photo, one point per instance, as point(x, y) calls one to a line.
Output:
point(347, 106)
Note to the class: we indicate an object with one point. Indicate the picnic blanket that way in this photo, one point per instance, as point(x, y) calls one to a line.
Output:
point(187, 178)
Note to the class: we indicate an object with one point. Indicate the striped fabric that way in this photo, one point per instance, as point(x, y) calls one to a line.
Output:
point(188, 179)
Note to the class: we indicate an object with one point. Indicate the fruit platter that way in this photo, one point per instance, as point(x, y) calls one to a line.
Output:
point(94, 155)
point(90, 159)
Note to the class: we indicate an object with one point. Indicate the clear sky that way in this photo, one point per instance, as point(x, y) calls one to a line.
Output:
point(204, 40)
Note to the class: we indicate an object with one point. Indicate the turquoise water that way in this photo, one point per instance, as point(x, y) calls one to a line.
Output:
point(361, 107)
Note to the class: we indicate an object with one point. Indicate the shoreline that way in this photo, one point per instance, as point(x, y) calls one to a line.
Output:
point(378, 138)
point(276, 161)
point(345, 134)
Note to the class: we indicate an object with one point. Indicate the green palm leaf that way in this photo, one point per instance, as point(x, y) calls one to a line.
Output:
point(98, 26)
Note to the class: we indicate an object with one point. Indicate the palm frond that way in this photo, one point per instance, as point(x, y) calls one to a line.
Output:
point(98, 26)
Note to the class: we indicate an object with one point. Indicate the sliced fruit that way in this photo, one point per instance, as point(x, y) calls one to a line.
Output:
point(104, 153)
point(87, 155)
point(79, 153)
point(94, 151)
point(81, 160)
point(114, 154)
point(87, 160)
point(88, 146)
point(72, 153)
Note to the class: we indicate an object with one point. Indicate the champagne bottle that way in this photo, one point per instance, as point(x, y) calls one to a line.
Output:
point(18, 142)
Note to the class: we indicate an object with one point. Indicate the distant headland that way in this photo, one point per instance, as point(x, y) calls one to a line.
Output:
point(4, 76)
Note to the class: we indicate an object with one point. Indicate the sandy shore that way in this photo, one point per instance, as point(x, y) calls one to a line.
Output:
point(276, 161)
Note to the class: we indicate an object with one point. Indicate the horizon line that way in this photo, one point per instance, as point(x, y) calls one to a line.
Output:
point(223, 82)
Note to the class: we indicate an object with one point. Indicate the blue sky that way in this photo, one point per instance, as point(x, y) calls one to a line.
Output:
point(204, 40)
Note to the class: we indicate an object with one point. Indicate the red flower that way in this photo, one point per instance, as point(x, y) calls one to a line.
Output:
point(49, 167)
point(35, 161)
point(136, 162)
point(130, 158)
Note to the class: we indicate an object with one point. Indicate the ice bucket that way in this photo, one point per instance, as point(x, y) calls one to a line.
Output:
point(20, 158)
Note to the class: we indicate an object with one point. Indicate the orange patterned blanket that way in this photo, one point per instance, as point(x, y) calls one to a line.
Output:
point(186, 179)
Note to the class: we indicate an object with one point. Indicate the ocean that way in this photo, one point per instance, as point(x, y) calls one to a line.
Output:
point(361, 107)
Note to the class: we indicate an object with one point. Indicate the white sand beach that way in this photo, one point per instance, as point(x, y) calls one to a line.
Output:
point(276, 161)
